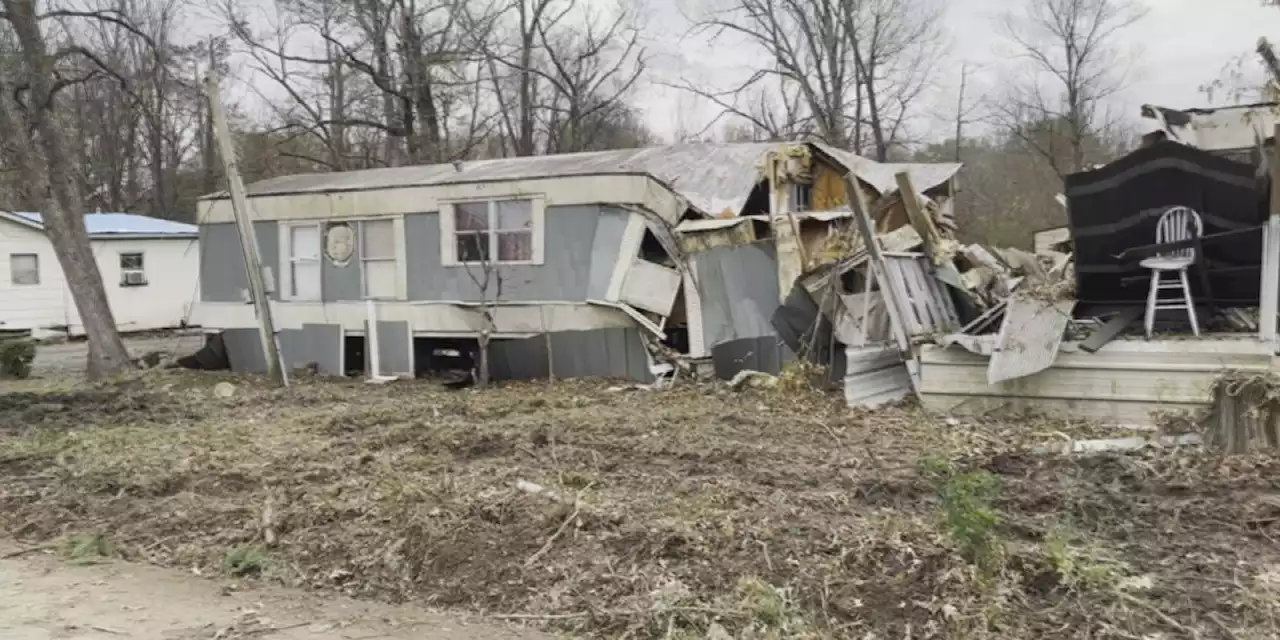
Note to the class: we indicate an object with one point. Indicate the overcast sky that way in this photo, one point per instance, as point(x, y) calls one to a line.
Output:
point(1180, 45)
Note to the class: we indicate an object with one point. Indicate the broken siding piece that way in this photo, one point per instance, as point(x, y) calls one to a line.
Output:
point(1029, 338)
point(651, 286)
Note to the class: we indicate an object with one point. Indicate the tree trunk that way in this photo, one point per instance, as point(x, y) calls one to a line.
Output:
point(48, 170)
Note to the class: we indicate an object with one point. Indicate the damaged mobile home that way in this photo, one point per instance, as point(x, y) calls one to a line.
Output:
point(590, 264)
point(1172, 281)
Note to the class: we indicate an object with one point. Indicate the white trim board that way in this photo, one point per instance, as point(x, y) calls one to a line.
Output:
point(439, 318)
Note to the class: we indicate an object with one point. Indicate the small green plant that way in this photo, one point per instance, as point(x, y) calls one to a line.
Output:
point(766, 604)
point(86, 548)
point(16, 355)
point(245, 561)
point(1075, 566)
point(970, 518)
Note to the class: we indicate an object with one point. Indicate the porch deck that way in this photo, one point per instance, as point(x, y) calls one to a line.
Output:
point(1122, 384)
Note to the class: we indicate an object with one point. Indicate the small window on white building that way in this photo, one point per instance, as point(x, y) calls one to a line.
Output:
point(378, 258)
point(132, 273)
point(303, 255)
point(493, 231)
point(24, 268)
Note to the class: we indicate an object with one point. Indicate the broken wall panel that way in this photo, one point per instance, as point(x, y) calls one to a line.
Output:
point(1029, 337)
point(597, 353)
point(1118, 206)
point(739, 288)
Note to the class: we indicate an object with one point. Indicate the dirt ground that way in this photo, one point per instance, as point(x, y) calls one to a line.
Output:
point(42, 598)
point(603, 511)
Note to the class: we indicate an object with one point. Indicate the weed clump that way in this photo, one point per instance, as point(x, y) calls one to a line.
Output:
point(245, 561)
point(970, 518)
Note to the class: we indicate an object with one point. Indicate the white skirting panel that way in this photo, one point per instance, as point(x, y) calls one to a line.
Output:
point(1124, 383)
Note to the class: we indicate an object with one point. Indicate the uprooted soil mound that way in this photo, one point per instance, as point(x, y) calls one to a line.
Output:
point(655, 514)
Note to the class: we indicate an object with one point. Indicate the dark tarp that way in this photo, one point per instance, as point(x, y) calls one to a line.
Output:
point(803, 329)
point(1116, 207)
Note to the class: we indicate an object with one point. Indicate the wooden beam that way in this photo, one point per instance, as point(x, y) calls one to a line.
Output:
point(917, 216)
point(895, 299)
point(248, 238)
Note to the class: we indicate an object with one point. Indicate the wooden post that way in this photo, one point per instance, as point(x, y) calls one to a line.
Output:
point(1271, 257)
point(917, 216)
point(248, 238)
point(894, 300)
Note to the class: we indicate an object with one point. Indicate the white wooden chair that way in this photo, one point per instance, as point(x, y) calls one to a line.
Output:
point(1176, 225)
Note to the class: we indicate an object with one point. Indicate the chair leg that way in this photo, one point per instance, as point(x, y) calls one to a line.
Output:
point(1191, 305)
point(1149, 321)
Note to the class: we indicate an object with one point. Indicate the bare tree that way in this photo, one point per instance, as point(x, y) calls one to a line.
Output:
point(31, 119)
point(562, 79)
point(857, 66)
point(1074, 62)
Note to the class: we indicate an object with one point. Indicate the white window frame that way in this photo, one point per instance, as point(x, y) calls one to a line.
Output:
point(34, 256)
point(448, 229)
point(287, 261)
point(142, 268)
point(394, 259)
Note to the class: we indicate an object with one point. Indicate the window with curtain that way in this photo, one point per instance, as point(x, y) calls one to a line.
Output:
point(496, 231)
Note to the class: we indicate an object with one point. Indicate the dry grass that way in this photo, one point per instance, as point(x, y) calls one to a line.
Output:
point(763, 514)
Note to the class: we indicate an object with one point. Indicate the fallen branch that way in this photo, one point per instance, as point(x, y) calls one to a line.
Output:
point(546, 546)
point(1159, 614)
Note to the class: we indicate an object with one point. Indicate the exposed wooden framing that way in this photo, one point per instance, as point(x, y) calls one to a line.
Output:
point(894, 298)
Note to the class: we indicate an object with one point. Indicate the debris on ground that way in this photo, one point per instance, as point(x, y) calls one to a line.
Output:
point(690, 513)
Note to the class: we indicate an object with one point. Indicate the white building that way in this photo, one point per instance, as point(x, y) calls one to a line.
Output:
point(150, 268)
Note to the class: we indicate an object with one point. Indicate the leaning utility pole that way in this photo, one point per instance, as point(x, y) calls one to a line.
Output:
point(248, 239)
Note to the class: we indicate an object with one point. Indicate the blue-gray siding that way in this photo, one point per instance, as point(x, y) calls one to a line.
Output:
point(739, 289)
point(580, 250)
point(581, 246)
point(222, 275)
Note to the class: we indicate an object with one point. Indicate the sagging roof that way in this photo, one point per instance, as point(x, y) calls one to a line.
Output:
point(881, 175)
point(1217, 129)
point(714, 178)
point(102, 225)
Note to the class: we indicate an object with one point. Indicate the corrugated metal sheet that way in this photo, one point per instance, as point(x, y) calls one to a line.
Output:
point(875, 376)
point(107, 224)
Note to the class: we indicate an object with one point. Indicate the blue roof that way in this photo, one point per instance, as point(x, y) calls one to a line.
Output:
point(100, 224)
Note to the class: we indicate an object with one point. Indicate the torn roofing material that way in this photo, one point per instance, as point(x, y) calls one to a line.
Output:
point(716, 179)
point(1220, 129)
point(116, 224)
point(880, 175)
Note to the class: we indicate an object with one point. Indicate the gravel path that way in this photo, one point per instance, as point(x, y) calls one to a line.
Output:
point(44, 598)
